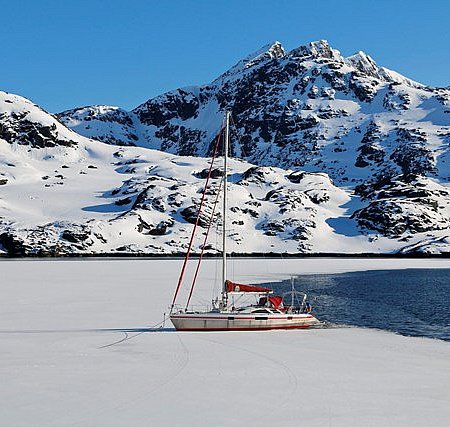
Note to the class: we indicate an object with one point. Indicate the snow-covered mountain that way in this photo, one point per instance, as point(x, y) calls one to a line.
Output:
point(309, 108)
point(338, 155)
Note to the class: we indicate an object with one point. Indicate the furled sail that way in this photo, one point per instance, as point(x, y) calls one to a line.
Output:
point(237, 287)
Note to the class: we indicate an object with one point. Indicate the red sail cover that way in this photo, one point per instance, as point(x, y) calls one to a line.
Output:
point(276, 301)
point(237, 287)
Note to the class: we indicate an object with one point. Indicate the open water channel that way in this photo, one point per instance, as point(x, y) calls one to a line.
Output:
point(413, 302)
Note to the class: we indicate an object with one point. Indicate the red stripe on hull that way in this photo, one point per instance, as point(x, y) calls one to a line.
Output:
point(238, 317)
point(243, 329)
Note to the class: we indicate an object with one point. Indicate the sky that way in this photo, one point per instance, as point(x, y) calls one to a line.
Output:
point(65, 54)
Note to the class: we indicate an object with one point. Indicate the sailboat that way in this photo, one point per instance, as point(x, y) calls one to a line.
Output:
point(268, 312)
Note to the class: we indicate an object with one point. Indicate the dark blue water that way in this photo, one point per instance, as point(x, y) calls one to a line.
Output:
point(413, 302)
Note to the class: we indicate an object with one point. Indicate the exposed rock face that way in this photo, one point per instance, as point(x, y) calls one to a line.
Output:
point(23, 123)
point(333, 145)
point(395, 217)
point(13, 245)
point(412, 154)
point(370, 151)
point(111, 125)
point(405, 204)
point(74, 237)
point(310, 108)
point(179, 104)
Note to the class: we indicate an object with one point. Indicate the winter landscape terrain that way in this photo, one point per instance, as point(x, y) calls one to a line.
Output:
point(339, 183)
point(332, 155)
point(76, 350)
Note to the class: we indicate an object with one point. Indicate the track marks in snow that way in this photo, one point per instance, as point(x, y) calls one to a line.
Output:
point(179, 356)
point(125, 338)
point(291, 378)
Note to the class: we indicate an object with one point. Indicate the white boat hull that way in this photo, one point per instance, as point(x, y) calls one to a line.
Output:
point(215, 321)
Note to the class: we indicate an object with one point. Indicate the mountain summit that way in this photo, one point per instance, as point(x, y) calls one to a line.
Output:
point(352, 156)
point(294, 109)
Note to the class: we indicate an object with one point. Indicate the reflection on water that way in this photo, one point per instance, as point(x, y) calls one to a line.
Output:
point(412, 302)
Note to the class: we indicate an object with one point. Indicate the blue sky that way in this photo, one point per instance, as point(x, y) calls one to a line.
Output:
point(63, 54)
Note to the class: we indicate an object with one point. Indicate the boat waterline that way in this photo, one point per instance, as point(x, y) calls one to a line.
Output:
point(235, 322)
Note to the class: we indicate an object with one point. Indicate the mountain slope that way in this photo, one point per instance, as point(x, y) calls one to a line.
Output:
point(92, 197)
point(365, 126)
point(340, 155)
point(309, 107)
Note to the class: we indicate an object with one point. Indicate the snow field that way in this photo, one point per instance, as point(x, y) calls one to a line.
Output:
point(55, 317)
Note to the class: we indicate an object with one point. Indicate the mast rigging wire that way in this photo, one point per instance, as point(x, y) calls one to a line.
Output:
point(186, 259)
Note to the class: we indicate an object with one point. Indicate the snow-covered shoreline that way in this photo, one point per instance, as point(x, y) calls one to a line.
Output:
point(55, 315)
point(65, 194)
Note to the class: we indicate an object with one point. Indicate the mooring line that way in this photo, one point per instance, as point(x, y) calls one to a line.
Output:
point(158, 327)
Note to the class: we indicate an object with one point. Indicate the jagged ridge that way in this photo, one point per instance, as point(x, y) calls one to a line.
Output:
point(378, 135)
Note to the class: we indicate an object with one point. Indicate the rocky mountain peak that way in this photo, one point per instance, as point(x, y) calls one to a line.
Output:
point(366, 65)
point(24, 123)
point(277, 49)
point(381, 138)
point(267, 52)
point(260, 56)
point(293, 109)
point(363, 62)
point(317, 49)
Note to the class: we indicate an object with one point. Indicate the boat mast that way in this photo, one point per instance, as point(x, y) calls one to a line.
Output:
point(224, 209)
point(292, 292)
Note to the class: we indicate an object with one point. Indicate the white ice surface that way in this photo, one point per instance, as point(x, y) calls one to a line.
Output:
point(54, 317)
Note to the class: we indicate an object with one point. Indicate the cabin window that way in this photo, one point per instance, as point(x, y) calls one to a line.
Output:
point(260, 318)
point(230, 317)
point(261, 311)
